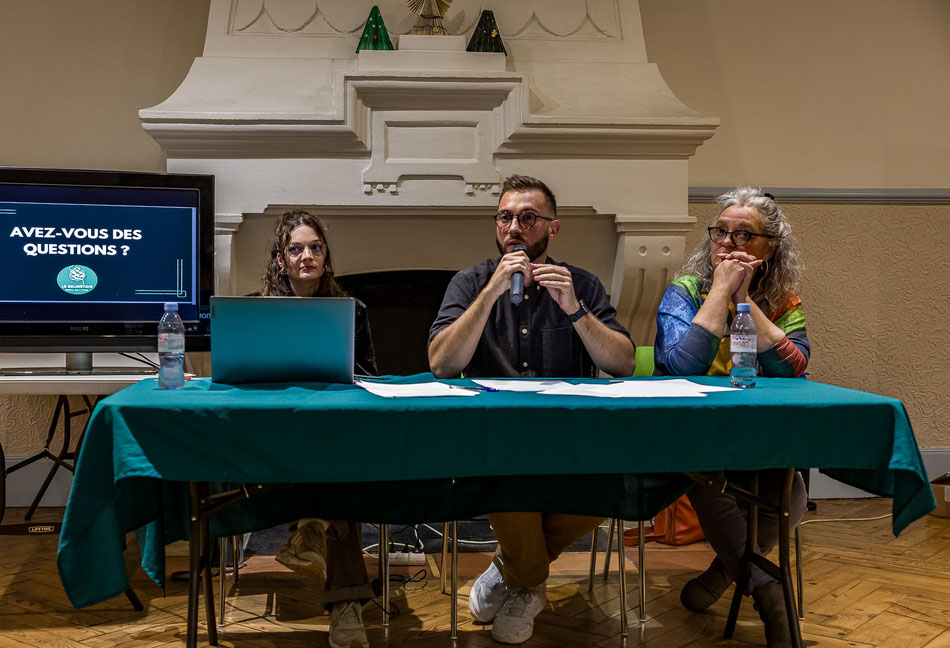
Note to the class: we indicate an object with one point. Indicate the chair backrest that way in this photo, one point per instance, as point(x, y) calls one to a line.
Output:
point(644, 361)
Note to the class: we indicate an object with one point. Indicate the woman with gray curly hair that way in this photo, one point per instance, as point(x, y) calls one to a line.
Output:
point(750, 256)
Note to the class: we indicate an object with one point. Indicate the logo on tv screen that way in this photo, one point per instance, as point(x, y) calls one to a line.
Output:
point(76, 279)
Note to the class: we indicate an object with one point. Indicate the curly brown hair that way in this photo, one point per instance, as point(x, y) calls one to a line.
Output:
point(274, 282)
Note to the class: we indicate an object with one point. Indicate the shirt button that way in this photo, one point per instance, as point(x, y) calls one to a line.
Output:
point(524, 331)
point(524, 364)
point(527, 296)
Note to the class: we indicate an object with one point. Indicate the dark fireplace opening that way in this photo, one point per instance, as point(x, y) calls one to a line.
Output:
point(402, 304)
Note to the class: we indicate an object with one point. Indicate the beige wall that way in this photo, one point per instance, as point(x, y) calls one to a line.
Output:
point(851, 93)
point(75, 74)
point(875, 309)
point(811, 94)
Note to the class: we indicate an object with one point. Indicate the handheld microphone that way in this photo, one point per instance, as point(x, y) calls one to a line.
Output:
point(517, 280)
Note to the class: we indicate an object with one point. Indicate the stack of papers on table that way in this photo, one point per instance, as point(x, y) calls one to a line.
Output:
point(672, 388)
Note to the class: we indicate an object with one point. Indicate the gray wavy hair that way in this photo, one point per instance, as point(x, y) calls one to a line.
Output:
point(775, 279)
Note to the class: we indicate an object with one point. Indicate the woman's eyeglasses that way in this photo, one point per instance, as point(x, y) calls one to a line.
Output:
point(526, 219)
point(296, 249)
point(739, 237)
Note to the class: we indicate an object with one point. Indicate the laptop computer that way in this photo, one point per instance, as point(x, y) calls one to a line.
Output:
point(282, 339)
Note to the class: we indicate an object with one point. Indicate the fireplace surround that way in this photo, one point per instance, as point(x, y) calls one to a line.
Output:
point(402, 152)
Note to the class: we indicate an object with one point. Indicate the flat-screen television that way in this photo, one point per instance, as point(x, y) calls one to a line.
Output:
point(89, 258)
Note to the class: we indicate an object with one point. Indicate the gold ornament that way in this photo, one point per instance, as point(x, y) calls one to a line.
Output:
point(430, 13)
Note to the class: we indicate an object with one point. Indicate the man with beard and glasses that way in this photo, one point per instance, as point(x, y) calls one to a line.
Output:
point(564, 327)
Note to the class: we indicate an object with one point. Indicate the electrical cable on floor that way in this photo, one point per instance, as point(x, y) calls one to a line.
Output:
point(394, 609)
point(461, 541)
point(860, 519)
point(392, 545)
point(418, 577)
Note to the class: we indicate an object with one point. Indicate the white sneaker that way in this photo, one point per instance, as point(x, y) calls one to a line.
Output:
point(515, 622)
point(305, 551)
point(346, 626)
point(488, 595)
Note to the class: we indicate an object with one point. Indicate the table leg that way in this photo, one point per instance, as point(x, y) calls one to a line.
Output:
point(199, 565)
point(641, 567)
point(206, 581)
point(783, 558)
point(745, 569)
point(384, 569)
point(453, 634)
point(782, 573)
point(194, 565)
point(222, 564)
point(798, 573)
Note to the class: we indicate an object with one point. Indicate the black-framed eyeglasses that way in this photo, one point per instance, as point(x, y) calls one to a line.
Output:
point(526, 219)
point(739, 237)
point(296, 249)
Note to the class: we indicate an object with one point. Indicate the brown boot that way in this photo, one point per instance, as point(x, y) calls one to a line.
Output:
point(707, 588)
point(770, 602)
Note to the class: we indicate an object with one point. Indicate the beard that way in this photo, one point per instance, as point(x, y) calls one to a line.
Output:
point(533, 251)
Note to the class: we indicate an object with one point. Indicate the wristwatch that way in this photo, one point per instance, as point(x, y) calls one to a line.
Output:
point(583, 310)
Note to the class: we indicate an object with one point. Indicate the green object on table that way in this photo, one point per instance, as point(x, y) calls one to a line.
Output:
point(338, 451)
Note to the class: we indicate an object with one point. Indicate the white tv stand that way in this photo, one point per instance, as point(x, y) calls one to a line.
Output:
point(89, 386)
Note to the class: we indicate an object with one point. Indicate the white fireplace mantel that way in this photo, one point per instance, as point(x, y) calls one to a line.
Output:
point(283, 112)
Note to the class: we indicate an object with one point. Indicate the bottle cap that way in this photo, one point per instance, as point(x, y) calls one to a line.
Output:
point(171, 306)
point(743, 307)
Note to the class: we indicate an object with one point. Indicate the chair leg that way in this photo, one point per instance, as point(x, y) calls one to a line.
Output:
point(798, 573)
point(593, 558)
point(622, 570)
point(236, 558)
point(384, 568)
point(610, 537)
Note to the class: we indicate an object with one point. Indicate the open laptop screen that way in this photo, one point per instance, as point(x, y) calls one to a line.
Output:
point(282, 339)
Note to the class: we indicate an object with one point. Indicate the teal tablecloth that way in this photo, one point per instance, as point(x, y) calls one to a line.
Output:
point(398, 460)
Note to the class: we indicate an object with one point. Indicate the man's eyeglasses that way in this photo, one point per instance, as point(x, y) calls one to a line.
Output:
point(739, 237)
point(526, 219)
point(296, 249)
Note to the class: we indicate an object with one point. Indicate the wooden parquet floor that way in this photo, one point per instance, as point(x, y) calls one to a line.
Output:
point(863, 588)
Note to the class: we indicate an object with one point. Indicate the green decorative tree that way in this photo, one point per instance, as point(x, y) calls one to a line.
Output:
point(486, 37)
point(375, 36)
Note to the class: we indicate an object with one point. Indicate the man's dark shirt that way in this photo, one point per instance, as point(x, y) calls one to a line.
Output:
point(535, 338)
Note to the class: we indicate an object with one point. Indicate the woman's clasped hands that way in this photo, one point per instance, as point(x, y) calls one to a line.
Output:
point(734, 273)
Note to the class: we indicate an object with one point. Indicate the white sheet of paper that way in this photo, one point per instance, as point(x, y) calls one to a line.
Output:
point(673, 388)
point(519, 385)
point(414, 390)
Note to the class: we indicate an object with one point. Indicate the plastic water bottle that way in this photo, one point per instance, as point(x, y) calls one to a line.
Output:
point(742, 341)
point(171, 349)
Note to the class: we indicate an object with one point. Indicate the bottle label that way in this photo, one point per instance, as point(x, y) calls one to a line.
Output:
point(740, 343)
point(171, 343)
